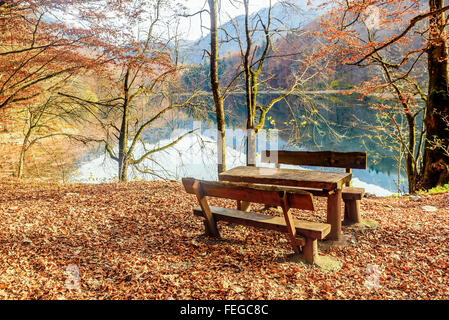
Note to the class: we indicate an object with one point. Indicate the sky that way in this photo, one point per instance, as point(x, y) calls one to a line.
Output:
point(191, 27)
point(227, 11)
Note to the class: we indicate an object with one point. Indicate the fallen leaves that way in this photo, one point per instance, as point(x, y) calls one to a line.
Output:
point(429, 208)
point(140, 240)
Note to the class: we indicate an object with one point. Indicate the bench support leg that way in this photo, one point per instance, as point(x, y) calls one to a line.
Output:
point(209, 222)
point(334, 215)
point(291, 230)
point(243, 205)
point(352, 211)
point(310, 250)
point(207, 231)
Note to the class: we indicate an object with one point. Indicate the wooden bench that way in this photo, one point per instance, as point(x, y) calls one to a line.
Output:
point(303, 235)
point(346, 160)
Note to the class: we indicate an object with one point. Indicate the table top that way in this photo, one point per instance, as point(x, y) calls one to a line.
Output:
point(325, 180)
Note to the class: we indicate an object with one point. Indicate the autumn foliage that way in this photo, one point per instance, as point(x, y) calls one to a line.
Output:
point(100, 80)
point(140, 240)
point(38, 51)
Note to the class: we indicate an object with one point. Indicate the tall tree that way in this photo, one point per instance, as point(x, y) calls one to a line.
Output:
point(37, 49)
point(255, 54)
point(404, 19)
point(52, 118)
point(137, 91)
point(436, 160)
point(39, 53)
point(215, 87)
point(401, 87)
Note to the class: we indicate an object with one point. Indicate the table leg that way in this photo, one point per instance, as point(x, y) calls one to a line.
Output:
point(352, 211)
point(334, 215)
point(243, 205)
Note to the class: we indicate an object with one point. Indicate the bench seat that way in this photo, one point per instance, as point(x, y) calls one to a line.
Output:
point(351, 193)
point(313, 230)
point(303, 235)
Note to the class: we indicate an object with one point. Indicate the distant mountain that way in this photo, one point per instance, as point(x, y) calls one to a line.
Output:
point(344, 77)
point(282, 16)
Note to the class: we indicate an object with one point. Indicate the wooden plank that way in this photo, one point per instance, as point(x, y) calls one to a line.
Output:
point(286, 177)
point(211, 225)
point(352, 211)
point(243, 205)
point(188, 183)
point(348, 183)
point(243, 193)
point(313, 191)
point(353, 193)
point(334, 202)
point(354, 160)
point(310, 250)
point(308, 229)
point(266, 194)
point(290, 224)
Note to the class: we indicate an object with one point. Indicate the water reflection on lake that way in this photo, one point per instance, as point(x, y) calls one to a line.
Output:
point(329, 122)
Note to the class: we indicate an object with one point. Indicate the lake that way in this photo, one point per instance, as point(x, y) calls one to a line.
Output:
point(324, 122)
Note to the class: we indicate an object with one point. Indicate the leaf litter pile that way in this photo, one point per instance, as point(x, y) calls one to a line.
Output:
point(140, 240)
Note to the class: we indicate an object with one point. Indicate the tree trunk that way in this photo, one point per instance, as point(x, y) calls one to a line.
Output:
point(21, 163)
point(221, 146)
point(251, 147)
point(399, 170)
point(410, 155)
point(250, 94)
point(123, 160)
point(215, 87)
point(123, 170)
point(436, 161)
point(411, 174)
point(22, 155)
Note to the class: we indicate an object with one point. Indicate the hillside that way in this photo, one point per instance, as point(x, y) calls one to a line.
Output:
point(305, 18)
point(283, 16)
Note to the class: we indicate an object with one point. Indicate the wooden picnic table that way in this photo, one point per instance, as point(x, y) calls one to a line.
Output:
point(322, 183)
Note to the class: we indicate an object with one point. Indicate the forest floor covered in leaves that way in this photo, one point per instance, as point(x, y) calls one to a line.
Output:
point(140, 240)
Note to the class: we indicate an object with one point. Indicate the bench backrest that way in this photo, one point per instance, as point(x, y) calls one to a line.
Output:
point(266, 194)
point(346, 160)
